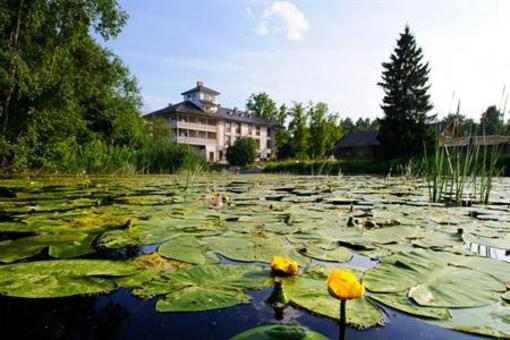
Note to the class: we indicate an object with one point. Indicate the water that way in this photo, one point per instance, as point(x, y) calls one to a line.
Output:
point(488, 251)
point(119, 315)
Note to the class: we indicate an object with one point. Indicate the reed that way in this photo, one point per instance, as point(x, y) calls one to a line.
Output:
point(461, 174)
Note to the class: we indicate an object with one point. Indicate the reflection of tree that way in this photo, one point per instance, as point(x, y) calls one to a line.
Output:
point(61, 318)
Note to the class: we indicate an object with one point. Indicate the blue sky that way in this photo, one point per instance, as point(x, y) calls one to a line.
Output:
point(316, 50)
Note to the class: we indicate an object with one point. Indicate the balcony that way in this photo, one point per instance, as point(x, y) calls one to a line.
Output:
point(195, 140)
point(193, 126)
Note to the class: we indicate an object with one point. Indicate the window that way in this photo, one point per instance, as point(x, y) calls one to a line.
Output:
point(250, 129)
point(238, 128)
point(228, 127)
point(268, 143)
point(269, 131)
point(258, 131)
point(227, 140)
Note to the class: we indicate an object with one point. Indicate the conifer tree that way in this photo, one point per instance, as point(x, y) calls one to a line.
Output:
point(404, 128)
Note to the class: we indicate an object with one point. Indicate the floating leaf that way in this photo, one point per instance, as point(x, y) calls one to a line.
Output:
point(61, 277)
point(310, 292)
point(185, 249)
point(204, 287)
point(279, 331)
point(430, 281)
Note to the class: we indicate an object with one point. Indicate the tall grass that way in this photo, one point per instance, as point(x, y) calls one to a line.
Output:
point(329, 167)
point(461, 174)
point(156, 157)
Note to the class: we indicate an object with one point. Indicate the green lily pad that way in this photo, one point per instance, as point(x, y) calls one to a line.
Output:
point(492, 320)
point(279, 331)
point(205, 287)
point(185, 249)
point(310, 292)
point(401, 302)
point(59, 278)
point(430, 281)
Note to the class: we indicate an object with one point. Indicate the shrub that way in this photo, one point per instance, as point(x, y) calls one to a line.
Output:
point(243, 152)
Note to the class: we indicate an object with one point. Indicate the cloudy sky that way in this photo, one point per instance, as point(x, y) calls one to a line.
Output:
point(318, 50)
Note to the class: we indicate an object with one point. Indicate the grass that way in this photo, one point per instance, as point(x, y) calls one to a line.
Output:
point(461, 174)
point(330, 167)
point(98, 158)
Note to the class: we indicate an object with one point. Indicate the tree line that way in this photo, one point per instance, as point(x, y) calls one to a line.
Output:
point(305, 131)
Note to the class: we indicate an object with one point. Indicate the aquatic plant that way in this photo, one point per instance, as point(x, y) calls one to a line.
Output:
point(461, 174)
point(283, 265)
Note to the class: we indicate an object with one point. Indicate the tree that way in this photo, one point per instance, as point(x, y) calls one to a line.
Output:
point(404, 127)
point(261, 105)
point(362, 124)
point(318, 130)
point(59, 88)
point(298, 131)
point(282, 137)
point(334, 133)
point(347, 126)
point(243, 152)
point(457, 125)
point(491, 122)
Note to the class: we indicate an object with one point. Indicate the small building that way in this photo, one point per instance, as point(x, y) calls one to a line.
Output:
point(201, 122)
point(358, 144)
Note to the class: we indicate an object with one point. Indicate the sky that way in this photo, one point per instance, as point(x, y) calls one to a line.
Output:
point(315, 50)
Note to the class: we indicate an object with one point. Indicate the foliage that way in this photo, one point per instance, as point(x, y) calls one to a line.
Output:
point(64, 95)
point(461, 174)
point(423, 258)
point(243, 152)
point(298, 131)
point(279, 331)
point(406, 101)
point(261, 105)
point(318, 130)
point(491, 122)
point(330, 167)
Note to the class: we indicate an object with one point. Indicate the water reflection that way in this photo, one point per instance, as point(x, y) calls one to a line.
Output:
point(119, 315)
point(487, 251)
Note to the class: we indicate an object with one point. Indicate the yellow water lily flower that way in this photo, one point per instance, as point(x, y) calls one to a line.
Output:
point(284, 265)
point(343, 285)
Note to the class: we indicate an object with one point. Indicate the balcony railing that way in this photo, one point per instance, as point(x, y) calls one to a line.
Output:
point(193, 126)
point(195, 140)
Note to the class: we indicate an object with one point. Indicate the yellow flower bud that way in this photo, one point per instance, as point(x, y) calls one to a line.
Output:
point(343, 284)
point(283, 265)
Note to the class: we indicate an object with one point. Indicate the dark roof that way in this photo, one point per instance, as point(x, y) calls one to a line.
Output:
point(359, 138)
point(201, 88)
point(223, 113)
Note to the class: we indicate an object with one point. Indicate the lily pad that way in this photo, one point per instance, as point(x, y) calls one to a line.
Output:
point(279, 331)
point(429, 280)
point(205, 287)
point(310, 292)
point(59, 278)
point(185, 249)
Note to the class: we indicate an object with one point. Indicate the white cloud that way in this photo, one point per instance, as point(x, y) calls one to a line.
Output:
point(283, 16)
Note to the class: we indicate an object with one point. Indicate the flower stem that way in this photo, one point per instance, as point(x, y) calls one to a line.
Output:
point(343, 323)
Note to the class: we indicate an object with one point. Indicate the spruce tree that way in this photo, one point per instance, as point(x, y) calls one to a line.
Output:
point(404, 128)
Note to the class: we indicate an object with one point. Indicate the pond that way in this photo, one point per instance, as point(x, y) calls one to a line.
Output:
point(187, 257)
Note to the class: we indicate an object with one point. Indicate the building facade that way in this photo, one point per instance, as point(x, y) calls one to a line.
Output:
point(201, 122)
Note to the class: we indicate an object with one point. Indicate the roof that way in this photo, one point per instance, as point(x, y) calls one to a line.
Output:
point(201, 88)
point(223, 113)
point(359, 138)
